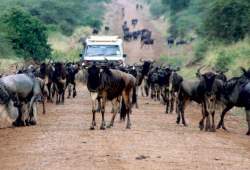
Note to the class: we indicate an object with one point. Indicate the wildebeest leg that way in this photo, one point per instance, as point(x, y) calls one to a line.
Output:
point(136, 104)
point(248, 120)
point(142, 92)
point(93, 124)
point(44, 109)
point(69, 90)
point(201, 123)
point(74, 90)
point(146, 88)
point(33, 114)
point(167, 100)
point(103, 103)
point(19, 122)
point(116, 106)
point(171, 100)
point(213, 122)
point(98, 109)
point(182, 110)
point(63, 93)
point(221, 122)
point(128, 109)
point(49, 90)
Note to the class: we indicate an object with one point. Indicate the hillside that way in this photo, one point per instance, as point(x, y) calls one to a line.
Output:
point(220, 29)
point(64, 23)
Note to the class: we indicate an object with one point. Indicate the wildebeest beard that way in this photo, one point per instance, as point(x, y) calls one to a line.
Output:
point(145, 68)
point(209, 81)
point(93, 80)
point(112, 84)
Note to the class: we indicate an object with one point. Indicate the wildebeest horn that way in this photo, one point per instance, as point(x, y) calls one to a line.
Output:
point(198, 73)
point(17, 67)
point(243, 70)
point(141, 60)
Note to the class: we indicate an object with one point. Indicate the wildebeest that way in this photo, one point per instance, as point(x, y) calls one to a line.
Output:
point(109, 85)
point(95, 31)
point(71, 71)
point(106, 28)
point(58, 82)
point(145, 34)
point(174, 86)
point(170, 41)
point(134, 22)
point(236, 92)
point(27, 91)
point(147, 41)
point(123, 12)
point(201, 91)
point(181, 42)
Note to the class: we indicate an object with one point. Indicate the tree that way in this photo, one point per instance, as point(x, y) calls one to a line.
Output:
point(27, 35)
point(228, 20)
point(176, 5)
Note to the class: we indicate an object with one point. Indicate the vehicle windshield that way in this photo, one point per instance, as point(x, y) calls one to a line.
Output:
point(102, 50)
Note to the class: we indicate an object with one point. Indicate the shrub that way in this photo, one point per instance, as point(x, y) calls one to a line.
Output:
point(27, 35)
point(228, 20)
point(223, 60)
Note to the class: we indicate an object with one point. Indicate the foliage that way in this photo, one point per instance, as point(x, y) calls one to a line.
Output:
point(27, 35)
point(223, 60)
point(228, 20)
point(173, 61)
point(200, 50)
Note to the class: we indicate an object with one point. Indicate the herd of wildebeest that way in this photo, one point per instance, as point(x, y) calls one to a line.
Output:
point(47, 82)
point(21, 92)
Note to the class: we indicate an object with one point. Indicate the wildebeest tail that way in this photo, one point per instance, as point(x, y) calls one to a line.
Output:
point(134, 96)
point(123, 111)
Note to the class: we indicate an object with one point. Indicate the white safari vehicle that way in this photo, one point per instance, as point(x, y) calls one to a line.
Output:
point(103, 49)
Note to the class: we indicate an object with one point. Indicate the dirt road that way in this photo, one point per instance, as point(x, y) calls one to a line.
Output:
point(62, 139)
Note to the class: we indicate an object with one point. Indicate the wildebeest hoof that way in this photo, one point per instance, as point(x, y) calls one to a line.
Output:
point(92, 128)
point(185, 125)
point(110, 126)
point(128, 126)
point(178, 121)
point(18, 123)
point(248, 133)
point(223, 127)
point(32, 122)
point(102, 128)
point(201, 127)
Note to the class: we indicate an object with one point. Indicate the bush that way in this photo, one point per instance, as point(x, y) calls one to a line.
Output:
point(228, 20)
point(223, 60)
point(173, 61)
point(200, 50)
point(27, 35)
point(157, 9)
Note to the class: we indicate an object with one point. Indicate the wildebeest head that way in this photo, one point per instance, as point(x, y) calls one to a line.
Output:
point(246, 73)
point(93, 80)
point(42, 70)
point(59, 73)
point(146, 66)
point(209, 78)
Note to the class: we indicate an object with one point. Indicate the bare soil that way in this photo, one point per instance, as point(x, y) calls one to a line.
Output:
point(62, 139)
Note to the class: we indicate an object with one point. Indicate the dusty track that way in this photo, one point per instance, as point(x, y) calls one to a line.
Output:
point(62, 139)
